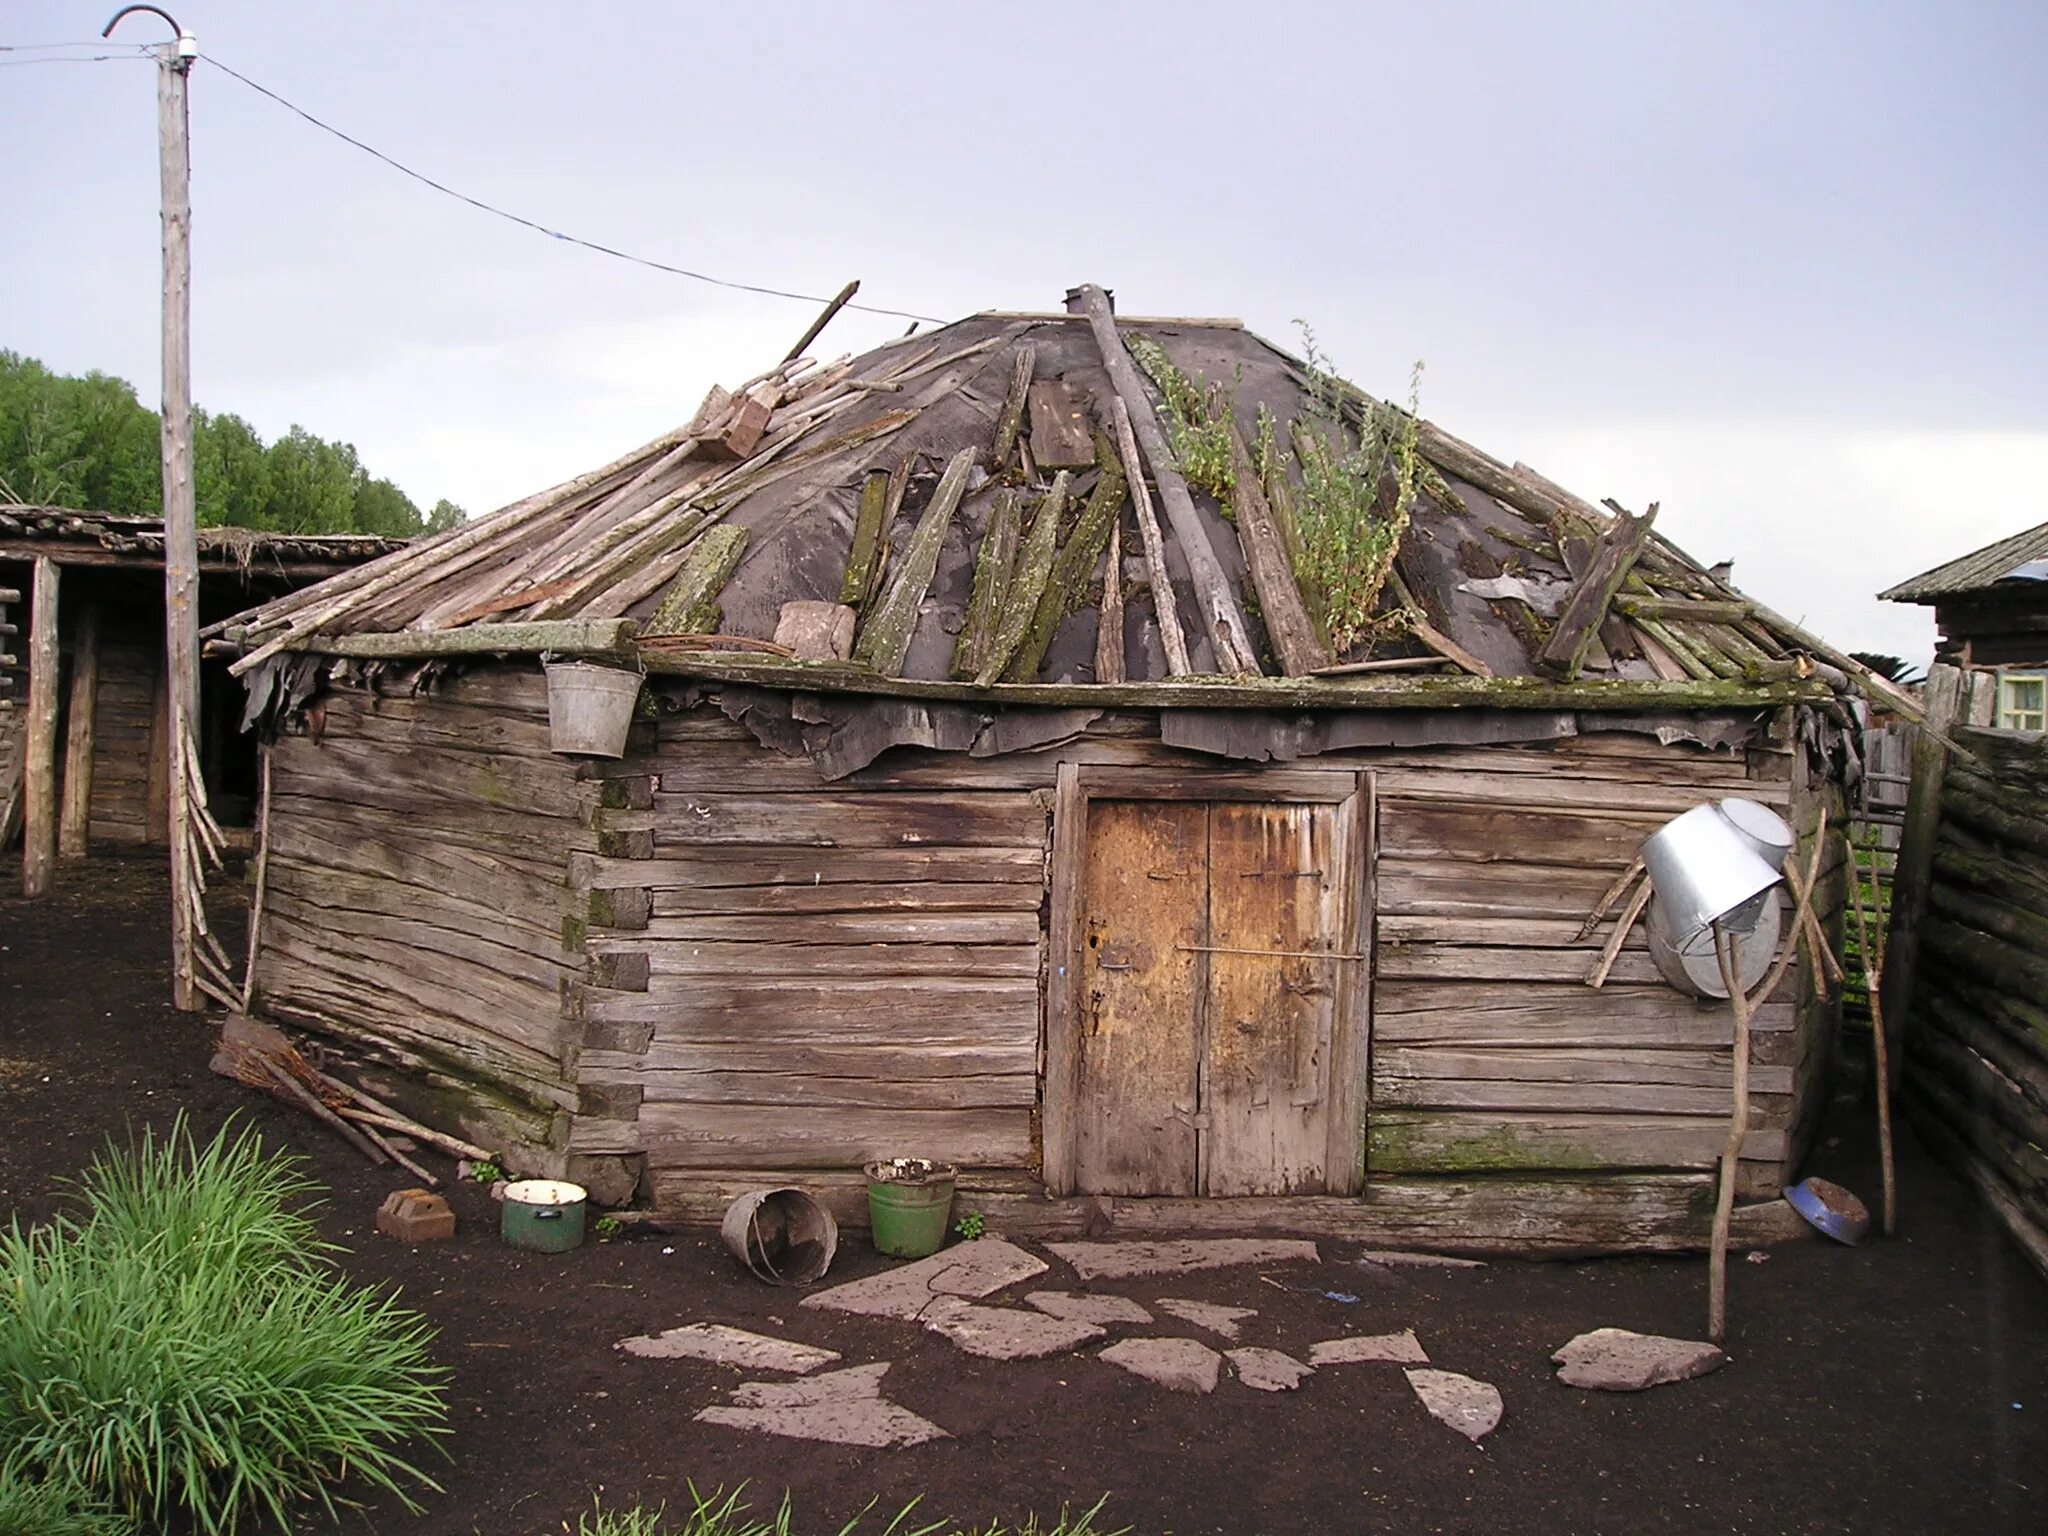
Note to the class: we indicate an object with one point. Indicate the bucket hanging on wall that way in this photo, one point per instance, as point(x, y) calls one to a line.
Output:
point(590, 708)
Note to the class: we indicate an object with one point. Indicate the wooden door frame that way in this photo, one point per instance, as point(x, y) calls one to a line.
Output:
point(1351, 791)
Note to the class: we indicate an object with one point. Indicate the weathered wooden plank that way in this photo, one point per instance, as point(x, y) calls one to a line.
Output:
point(1027, 584)
point(806, 958)
point(881, 1062)
point(368, 773)
point(886, 632)
point(845, 897)
point(1297, 642)
point(690, 605)
point(776, 1137)
point(1010, 420)
point(1454, 1141)
point(1620, 545)
point(1423, 962)
point(75, 814)
point(992, 567)
point(1648, 801)
point(1452, 888)
point(720, 868)
point(39, 739)
point(1066, 584)
point(849, 820)
point(1396, 929)
point(1492, 834)
point(561, 637)
point(1060, 435)
point(1495, 1096)
point(864, 1090)
point(1592, 1066)
point(1562, 1015)
point(907, 927)
point(788, 1011)
point(868, 527)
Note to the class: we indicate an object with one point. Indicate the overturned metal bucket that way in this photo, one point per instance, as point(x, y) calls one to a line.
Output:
point(783, 1235)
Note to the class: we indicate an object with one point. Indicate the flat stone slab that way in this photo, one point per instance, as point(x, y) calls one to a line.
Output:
point(848, 1385)
point(1268, 1370)
point(1181, 1365)
point(1076, 1308)
point(729, 1346)
point(1006, 1333)
point(1617, 1360)
point(1207, 1314)
point(1470, 1406)
point(1401, 1348)
point(868, 1422)
point(1124, 1261)
point(979, 1268)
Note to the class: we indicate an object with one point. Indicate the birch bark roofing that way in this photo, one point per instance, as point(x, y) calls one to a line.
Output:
point(813, 499)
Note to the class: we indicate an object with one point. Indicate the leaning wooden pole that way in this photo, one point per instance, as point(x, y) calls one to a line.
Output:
point(39, 746)
point(1873, 983)
point(181, 532)
point(75, 817)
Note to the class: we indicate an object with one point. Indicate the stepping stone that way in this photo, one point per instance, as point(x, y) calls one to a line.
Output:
point(1616, 1360)
point(1123, 1261)
point(1469, 1406)
point(1088, 1309)
point(1268, 1370)
point(850, 1385)
point(729, 1346)
point(868, 1422)
point(1438, 1260)
point(1401, 1348)
point(1006, 1333)
point(1182, 1365)
point(979, 1268)
point(1207, 1314)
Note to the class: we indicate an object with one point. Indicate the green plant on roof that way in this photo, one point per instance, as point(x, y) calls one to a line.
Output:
point(183, 1353)
point(1359, 471)
point(1198, 421)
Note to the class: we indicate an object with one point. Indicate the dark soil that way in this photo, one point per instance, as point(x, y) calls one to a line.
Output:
point(1902, 1386)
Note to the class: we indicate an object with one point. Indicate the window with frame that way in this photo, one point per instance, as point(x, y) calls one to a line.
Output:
point(2023, 701)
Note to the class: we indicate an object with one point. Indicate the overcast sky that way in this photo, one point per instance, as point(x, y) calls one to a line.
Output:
point(1783, 268)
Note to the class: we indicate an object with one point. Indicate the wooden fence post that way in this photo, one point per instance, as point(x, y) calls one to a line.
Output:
point(39, 769)
point(1946, 690)
point(74, 820)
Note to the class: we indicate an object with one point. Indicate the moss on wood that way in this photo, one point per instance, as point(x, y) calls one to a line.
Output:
point(1027, 582)
point(992, 568)
point(1067, 582)
point(885, 638)
point(690, 606)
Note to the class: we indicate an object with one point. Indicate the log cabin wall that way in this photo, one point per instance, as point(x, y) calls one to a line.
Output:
point(127, 736)
point(416, 904)
point(809, 974)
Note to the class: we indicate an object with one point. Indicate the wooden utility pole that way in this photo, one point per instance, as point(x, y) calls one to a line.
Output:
point(181, 533)
point(75, 815)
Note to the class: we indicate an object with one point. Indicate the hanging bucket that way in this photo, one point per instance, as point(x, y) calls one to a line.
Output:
point(782, 1235)
point(590, 708)
point(909, 1202)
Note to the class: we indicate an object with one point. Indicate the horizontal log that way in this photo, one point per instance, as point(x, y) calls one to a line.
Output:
point(1494, 834)
point(1454, 1141)
point(1380, 692)
point(808, 1091)
point(845, 898)
point(1428, 887)
point(1396, 929)
point(1561, 1015)
point(849, 820)
point(876, 1061)
point(1586, 1066)
point(777, 1137)
point(773, 1009)
point(893, 930)
point(1430, 962)
point(751, 867)
point(1456, 1093)
point(1646, 798)
point(560, 637)
point(672, 963)
point(2026, 1225)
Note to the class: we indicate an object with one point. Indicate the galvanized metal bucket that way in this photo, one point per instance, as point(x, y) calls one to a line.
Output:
point(782, 1235)
point(1706, 869)
point(590, 708)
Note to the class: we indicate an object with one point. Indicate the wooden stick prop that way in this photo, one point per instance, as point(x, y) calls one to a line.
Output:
point(300, 1094)
point(1622, 925)
point(839, 302)
point(1163, 609)
point(1825, 965)
point(1610, 896)
point(1873, 973)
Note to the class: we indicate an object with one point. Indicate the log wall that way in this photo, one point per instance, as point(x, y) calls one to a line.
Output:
point(124, 736)
point(416, 904)
point(1976, 1075)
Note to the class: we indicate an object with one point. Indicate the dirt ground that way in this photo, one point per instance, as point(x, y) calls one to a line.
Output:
point(1902, 1386)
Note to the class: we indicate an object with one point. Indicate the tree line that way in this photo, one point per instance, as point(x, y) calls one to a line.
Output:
point(87, 442)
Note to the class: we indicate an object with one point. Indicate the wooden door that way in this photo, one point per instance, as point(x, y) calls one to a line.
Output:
point(1207, 1013)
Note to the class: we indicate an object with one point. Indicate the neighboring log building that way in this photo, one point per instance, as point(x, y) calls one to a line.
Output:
point(106, 738)
point(1025, 884)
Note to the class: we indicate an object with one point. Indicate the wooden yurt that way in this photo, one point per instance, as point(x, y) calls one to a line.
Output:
point(105, 737)
point(1106, 754)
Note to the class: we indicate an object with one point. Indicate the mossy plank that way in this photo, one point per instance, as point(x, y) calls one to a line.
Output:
point(867, 540)
point(1027, 582)
point(1011, 421)
point(992, 567)
point(690, 606)
point(1066, 583)
point(1465, 1141)
point(885, 638)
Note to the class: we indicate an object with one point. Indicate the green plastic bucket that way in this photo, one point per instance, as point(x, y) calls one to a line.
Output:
point(909, 1203)
point(543, 1215)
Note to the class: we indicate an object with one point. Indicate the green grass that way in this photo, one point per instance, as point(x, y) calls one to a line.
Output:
point(51, 1509)
point(183, 1347)
point(719, 1513)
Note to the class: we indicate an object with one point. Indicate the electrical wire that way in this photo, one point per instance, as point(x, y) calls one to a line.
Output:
point(97, 58)
point(556, 234)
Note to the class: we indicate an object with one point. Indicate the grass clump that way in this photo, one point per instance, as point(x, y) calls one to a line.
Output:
point(183, 1350)
point(1360, 470)
point(51, 1509)
point(719, 1513)
point(1198, 421)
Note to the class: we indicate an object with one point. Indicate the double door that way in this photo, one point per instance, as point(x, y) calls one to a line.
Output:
point(1213, 943)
